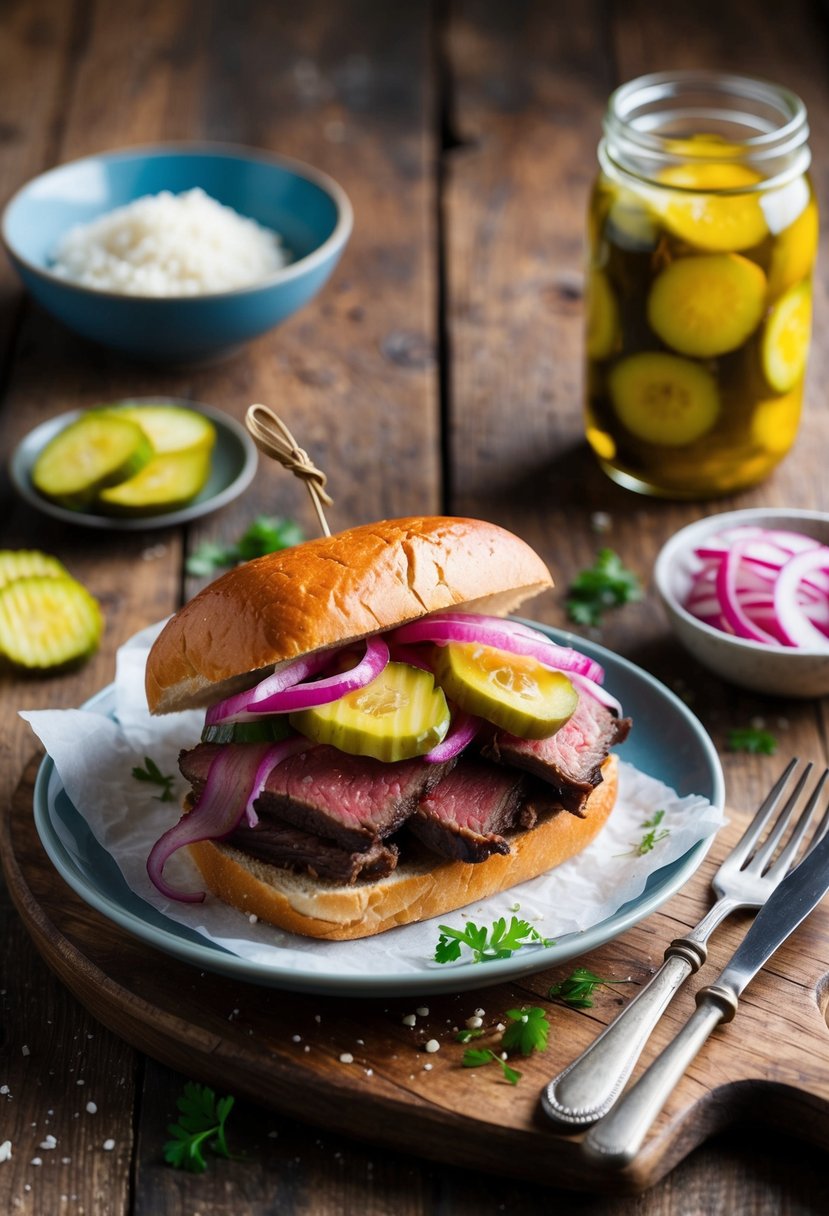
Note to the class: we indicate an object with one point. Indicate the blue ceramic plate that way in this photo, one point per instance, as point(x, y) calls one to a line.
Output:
point(668, 743)
point(232, 468)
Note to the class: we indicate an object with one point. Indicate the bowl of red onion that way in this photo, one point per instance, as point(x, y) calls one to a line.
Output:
point(747, 593)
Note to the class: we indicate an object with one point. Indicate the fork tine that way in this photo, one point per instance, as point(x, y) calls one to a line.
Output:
point(782, 863)
point(822, 828)
point(766, 851)
point(762, 815)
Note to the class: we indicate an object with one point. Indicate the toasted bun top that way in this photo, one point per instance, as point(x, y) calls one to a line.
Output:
point(332, 591)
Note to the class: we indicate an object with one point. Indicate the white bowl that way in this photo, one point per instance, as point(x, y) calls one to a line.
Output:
point(777, 670)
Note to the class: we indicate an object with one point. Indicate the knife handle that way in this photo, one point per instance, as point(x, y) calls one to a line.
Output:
point(614, 1142)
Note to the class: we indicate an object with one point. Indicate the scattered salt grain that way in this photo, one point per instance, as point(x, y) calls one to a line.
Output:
point(91, 1108)
point(479, 1013)
point(432, 1046)
point(474, 1023)
point(6, 1150)
point(25, 1051)
point(346, 1058)
point(48, 1143)
point(37, 1161)
point(422, 1011)
point(108, 1146)
point(409, 1019)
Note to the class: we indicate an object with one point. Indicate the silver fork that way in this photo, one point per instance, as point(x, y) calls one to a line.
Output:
point(589, 1087)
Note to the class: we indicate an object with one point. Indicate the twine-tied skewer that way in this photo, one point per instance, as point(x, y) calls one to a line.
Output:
point(272, 437)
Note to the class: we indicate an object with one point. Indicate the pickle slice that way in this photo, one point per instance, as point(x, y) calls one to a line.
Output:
point(171, 428)
point(48, 621)
point(775, 421)
point(793, 251)
point(710, 209)
point(707, 306)
point(512, 691)
point(786, 336)
point(167, 482)
point(23, 563)
point(664, 399)
point(97, 450)
point(399, 715)
point(266, 730)
point(602, 317)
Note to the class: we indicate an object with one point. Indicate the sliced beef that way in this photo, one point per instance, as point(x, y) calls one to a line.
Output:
point(280, 844)
point(352, 800)
point(571, 760)
point(463, 817)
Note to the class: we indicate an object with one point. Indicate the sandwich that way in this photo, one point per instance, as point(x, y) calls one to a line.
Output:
point(382, 743)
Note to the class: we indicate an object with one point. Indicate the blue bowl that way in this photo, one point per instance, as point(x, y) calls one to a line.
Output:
point(309, 210)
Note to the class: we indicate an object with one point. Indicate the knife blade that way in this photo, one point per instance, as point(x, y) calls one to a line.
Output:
point(616, 1139)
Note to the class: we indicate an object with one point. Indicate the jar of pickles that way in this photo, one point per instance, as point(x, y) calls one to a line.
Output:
point(703, 229)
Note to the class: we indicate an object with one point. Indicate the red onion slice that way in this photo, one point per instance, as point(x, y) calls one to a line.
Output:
point(218, 811)
point(462, 731)
point(265, 700)
point(275, 755)
point(500, 634)
point(793, 621)
point(740, 623)
point(235, 708)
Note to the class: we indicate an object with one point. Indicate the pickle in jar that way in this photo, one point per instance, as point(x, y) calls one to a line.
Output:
point(714, 207)
point(663, 399)
point(786, 337)
point(708, 305)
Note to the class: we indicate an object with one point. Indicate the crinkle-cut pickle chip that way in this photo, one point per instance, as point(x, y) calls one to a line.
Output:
point(664, 399)
point(48, 621)
point(793, 251)
point(707, 305)
point(786, 336)
point(399, 715)
point(512, 691)
point(98, 450)
point(602, 316)
point(708, 210)
point(170, 428)
point(23, 563)
point(167, 482)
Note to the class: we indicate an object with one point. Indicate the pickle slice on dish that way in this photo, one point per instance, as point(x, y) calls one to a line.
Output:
point(786, 337)
point(23, 563)
point(602, 317)
point(713, 207)
point(512, 691)
point(96, 451)
point(48, 621)
point(167, 482)
point(171, 428)
point(399, 715)
point(708, 305)
point(663, 398)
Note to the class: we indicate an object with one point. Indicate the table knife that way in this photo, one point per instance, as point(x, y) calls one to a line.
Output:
point(616, 1139)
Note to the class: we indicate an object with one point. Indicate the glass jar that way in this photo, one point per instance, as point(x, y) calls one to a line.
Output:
point(703, 229)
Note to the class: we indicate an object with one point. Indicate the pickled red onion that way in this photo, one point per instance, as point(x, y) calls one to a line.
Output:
point(268, 698)
point(223, 802)
point(764, 585)
point(444, 627)
point(462, 731)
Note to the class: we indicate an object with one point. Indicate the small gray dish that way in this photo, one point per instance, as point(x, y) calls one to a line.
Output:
point(233, 466)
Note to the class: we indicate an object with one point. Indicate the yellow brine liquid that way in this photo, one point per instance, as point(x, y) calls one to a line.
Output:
point(698, 295)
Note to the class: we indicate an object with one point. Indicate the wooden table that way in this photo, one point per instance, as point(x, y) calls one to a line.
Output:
point(438, 371)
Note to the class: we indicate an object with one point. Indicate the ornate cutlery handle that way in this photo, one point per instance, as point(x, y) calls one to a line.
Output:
point(585, 1091)
point(615, 1141)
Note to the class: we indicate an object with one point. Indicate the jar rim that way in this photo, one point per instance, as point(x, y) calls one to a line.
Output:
point(632, 110)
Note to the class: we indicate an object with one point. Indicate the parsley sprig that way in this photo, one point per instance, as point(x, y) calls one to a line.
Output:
point(266, 534)
point(500, 941)
point(577, 990)
point(653, 834)
point(752, 740)
point(606, 584)
point(152, 773)
point(528, 1031)
point(201, 1124)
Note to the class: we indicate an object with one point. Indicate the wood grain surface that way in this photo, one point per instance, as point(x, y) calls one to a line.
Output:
point(439, 369)
point(355, 1066)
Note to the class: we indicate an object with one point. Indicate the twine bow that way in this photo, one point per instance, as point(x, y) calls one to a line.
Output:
point(272, 437)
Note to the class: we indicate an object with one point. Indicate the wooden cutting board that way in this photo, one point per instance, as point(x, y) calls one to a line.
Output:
point(356, 1067)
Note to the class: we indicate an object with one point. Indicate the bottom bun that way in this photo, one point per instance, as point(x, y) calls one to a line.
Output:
point(417, 890)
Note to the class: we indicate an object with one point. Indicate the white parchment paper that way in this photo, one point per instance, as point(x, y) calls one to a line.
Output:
point(94, 755)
